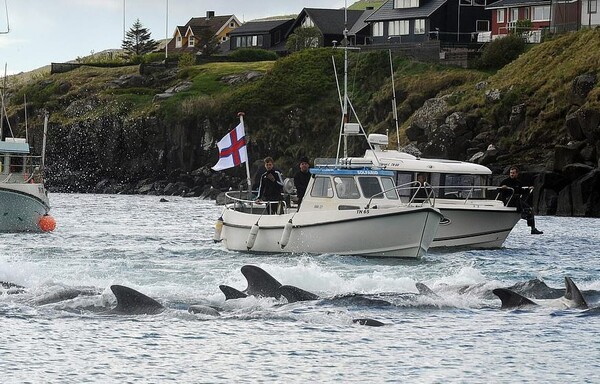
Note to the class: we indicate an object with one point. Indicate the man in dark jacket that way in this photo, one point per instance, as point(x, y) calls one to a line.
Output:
point(271, 186)
point(518, 198)
point(301, 179)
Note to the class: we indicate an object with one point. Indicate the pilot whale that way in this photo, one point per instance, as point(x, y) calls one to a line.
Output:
point(132, 302)
point(571, 299)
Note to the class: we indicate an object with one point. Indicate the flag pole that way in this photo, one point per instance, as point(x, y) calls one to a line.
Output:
point(248, 179)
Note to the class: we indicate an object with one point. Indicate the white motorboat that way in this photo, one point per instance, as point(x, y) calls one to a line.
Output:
point(345, 211)
point(24, 203)
point(473, 214)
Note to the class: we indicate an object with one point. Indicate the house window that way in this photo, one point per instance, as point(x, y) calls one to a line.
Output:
point(514, 14)
point(224, 38)
point(307, 22)
point(406, 3)
point(419, 26)
point(398, 27)
point(276, 37)
point(178, 42)
point(191, 41)
point(592, 6)
point(232, 25)
point(378, 28)
point(482, 25)
point(541, 13)
point(500, 15)
point(526, 14)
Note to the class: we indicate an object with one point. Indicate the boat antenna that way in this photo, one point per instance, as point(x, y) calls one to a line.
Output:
point(345, 45)
point(7, 20)
point(394, 109)
point(46, 114)
point(26, 130)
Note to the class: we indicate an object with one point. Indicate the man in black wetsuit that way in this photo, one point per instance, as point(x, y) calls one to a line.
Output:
point(271, 186)
point(518, 199)
point(301, 179)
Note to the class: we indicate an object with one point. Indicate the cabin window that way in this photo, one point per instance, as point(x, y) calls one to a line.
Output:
point(514, 14)
point(419, 26)
point(307, 22)
point(370, 187)
point(389, 188)
point(378, 28)
point(403, 181)
point(322, 187)
point(482, 25)
point(500, 15)
point(406, 3)
point(398, 27)
point(346, 188)
point(457, 186)
point(541, 13)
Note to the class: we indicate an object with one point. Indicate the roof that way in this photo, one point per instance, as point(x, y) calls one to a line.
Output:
point(258, 27)
point(14, 146)
point(361, 22)
point(213, 23)
point(517, 3)
point(388, 12)
point(330, 21)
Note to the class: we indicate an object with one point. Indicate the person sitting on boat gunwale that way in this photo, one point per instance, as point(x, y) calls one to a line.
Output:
point(518, 197)
point(270, 187)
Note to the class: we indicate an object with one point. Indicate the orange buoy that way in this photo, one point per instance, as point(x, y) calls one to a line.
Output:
point(47, 223)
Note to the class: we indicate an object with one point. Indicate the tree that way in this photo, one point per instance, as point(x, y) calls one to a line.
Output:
point(137, 41)
point(304, 38)
point(209, 42)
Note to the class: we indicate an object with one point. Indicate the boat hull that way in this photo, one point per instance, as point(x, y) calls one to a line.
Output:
point(370, 232)
point(22, 206)
point(475, 227)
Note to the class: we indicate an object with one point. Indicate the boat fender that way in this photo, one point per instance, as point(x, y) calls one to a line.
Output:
point(285, 236)
point(252, 236)
point(218, 229)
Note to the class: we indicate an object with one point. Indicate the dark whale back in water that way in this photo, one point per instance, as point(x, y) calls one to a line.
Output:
point(132, 302)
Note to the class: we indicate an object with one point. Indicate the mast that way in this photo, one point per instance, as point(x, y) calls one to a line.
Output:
point(345, 108)
point(2, 104)
point(394, 109)
point(44, 139)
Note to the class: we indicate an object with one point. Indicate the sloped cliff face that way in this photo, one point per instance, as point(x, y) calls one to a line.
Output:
point(116, 131)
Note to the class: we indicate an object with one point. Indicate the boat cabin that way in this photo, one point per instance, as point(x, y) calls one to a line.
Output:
point(449, 179)
point(341, 189)
point(16, 163)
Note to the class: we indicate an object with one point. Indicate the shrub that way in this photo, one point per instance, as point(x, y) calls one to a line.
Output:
point(186, 60)
point(502, 51)
point(253, 54)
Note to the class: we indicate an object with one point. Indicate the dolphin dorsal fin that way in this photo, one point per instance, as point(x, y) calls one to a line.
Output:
point(130, 301)
point(511, 299)
point(294, 294)
point(573, 293)
point(260, 283)
point(231, 293)
point(424, 290)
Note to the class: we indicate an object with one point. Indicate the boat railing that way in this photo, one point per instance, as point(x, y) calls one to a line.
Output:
point(21, 169)
point(468, 193)
point(413, 188)
point(243, 201)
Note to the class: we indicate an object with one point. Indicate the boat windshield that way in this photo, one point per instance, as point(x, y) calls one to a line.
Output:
point(370, 187)
point(322, 187)
point(346, 188)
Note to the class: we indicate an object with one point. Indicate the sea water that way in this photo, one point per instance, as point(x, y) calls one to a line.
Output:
point(165, 250)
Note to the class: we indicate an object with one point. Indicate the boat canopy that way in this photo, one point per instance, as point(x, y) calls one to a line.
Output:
point(14, 145)
point(400, 161)
point(351, 172)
